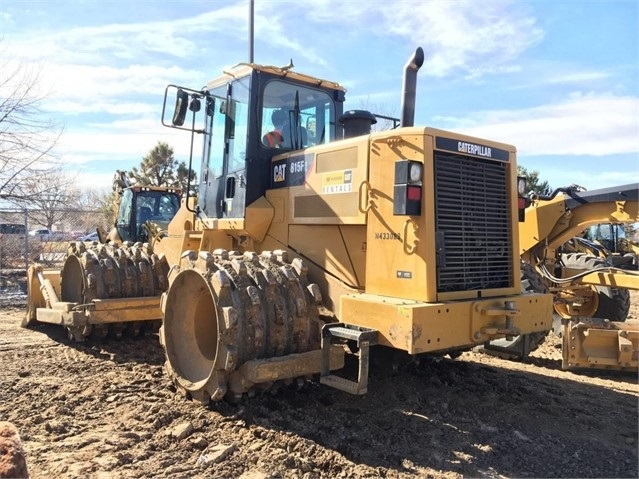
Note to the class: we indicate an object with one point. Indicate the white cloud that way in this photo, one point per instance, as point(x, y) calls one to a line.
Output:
point(456, 36)
point(583, 124)
point(594, 174)
point(113, 142)
point(90, 45)
point(119, 71)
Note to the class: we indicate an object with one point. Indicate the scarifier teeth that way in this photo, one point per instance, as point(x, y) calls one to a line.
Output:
point(268, 275)
point(299, 266)
point(251, 257)
point(205, 255)
point(254, 294)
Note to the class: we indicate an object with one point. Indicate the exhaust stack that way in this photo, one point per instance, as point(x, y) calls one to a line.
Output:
point(410, 86)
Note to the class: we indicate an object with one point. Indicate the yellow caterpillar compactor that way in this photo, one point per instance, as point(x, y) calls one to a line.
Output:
point(591, 297)
point(310, 231)
point(111, 286)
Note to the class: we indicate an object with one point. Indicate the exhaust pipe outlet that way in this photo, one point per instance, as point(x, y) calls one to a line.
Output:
point(410, 87)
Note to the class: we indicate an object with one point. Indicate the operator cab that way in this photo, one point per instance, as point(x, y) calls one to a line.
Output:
point(142, 204)
point(240, 111)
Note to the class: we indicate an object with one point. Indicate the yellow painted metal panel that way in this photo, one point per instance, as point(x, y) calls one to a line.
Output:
point(400, 249)
point(326, 246)
point(616, 280)
point(418, 327)
point(335, 181)
point(339, 159)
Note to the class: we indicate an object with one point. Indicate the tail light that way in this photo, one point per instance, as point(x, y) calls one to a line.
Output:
point(407, 196)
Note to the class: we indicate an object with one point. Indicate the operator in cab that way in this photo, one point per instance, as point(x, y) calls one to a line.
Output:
point(275, 138)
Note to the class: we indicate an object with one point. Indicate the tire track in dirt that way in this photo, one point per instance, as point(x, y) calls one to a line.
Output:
point(107, 410)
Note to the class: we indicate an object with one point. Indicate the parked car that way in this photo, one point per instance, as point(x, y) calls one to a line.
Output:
point(45, 234)
point(90, 237)
point(12, 229)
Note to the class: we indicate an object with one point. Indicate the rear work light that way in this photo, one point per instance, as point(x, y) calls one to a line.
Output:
point(407, 194)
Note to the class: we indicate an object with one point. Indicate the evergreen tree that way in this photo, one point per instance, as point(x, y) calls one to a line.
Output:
point(160, 168)
point(533, 182)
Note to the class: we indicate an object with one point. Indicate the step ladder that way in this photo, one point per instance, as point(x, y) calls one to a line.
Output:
point(364, 338)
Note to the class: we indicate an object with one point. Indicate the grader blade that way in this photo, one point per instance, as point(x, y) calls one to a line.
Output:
point(594, 343)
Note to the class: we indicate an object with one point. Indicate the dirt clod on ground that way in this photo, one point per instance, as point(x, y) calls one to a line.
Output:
point(107, 410)
point(13, 462)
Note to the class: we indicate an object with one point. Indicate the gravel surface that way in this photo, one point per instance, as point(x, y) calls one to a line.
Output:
point(107, 410)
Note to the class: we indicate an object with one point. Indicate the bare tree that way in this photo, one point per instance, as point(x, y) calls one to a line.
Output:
point(385, 121)
point(95, 200)
point(27, 138)
point(102, 202)
point(47, 198)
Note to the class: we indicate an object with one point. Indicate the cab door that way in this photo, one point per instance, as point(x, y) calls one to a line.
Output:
point(124, 222)
point(223, 178)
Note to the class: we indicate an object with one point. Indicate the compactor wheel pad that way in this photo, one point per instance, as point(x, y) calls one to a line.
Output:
point(225, 308)
point(110, 271)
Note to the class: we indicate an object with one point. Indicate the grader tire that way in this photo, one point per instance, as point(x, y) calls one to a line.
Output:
point(614, 305)
point(607, 303)
point(224, 309)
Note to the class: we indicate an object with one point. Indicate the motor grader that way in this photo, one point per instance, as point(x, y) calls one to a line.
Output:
point(336, 236)
point(591, 297)
point(607, 241)
point(88, 296)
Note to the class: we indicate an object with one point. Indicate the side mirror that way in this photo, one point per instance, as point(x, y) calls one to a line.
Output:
point(181, 104)
point(195, 105)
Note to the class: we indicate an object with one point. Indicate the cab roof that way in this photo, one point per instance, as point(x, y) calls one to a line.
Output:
point(244, 69)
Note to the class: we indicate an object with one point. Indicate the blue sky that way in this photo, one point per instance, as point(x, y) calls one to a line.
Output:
point(558, 79)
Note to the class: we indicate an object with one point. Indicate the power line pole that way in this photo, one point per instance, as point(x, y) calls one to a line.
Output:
point(251, 29)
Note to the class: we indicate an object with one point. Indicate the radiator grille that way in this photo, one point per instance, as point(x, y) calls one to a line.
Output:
point(474, 241)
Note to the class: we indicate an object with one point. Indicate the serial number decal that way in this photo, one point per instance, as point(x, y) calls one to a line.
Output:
point(387, 236)
point(337, 182)
point(468, 148)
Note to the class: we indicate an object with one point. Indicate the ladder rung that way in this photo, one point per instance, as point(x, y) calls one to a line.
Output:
point(343, 332)
point(342, 384)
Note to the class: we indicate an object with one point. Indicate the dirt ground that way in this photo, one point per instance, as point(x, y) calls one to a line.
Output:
point(107, 410)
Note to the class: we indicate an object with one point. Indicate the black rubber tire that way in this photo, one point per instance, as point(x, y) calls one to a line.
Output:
point(614, 303)
point(531, 282)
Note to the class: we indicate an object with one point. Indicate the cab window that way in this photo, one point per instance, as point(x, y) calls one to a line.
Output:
point(295, 116)
point(226, 128)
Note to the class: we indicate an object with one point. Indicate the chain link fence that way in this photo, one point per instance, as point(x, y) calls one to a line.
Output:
point(23, 241)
